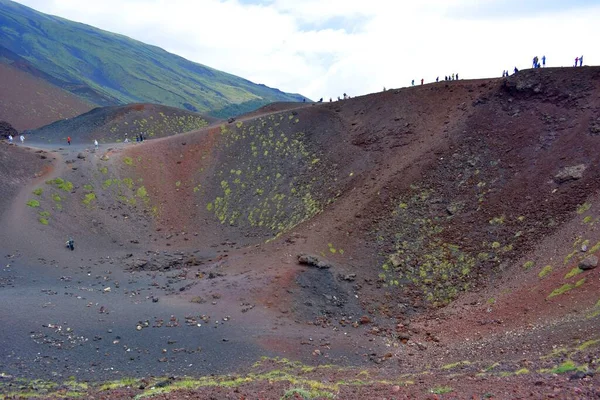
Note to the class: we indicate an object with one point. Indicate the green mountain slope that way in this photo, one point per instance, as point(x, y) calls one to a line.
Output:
point(123, 69)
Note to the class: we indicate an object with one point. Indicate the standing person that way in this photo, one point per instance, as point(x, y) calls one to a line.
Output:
point(576, 60)
point(437, 79)
point(544, 61)
point(10, 138)
point(413, 82)
point(421, 81)
point(22, 139)
point(581, 61)
point(96, 144)
point(452, 76)
point(457, 76)
point(69, 140)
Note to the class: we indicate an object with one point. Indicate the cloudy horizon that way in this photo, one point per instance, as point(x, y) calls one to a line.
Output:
point(323, 48)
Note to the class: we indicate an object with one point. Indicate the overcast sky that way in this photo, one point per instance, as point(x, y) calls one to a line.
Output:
point(322, 48)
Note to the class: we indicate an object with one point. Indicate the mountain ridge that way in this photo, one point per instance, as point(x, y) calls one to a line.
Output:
point(120, 69)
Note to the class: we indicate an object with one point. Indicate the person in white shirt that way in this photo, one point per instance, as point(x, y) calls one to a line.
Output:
point(22, 138)
point(96, 144)
point(10, 138)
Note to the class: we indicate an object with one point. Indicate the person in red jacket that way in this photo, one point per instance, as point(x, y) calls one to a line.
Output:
point(69, 140)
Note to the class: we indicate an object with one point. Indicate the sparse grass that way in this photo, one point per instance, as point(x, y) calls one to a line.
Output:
point(44, 214)
point(43, 221)
point(125, 382)
point(56, 197)
point(441, 390)
point(567, 366)
point(293, 393)
point(545, 271)
point(583, 208)
point(455, 365)
point(88, 187)
point(141, 192)
point(528, 265)
point(573, 272)
point(128, 160)
point(89, 197)
point(522, 371)
point(595, 311)
point(497, 220)
point(491, 367)
point(33, 203)
point(589, 343)
point(61, 184)
point(38, 191)
point(563, 289)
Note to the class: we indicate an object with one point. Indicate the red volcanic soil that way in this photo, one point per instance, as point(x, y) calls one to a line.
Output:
point(27, 102)
point(449, 219)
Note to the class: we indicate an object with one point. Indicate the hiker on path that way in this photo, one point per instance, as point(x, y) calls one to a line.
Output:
point(581, 61)
point(22, 139)
point(10, 139)
point(452, 76)
point(535, 62)
point(413, 82)
point(516, 70)
point(421, 81)
point(69, 140)
point(437, 79)
point(96, 144)
point(576, 60)
point(457, 76)
point(544, 61)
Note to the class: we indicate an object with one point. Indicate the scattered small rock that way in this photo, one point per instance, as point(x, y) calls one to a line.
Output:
point(570, 173)
point(590, 262)
point(313, 261)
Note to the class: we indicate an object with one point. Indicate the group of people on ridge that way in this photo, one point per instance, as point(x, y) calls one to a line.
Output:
point(21, 138)
point(453, 77)
point(536, 62)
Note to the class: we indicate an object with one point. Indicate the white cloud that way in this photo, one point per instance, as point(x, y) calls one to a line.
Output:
point(322, 48)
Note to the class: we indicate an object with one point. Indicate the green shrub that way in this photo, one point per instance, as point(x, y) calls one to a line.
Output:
point(89, 197)
point(33, 203)
point(545, 271)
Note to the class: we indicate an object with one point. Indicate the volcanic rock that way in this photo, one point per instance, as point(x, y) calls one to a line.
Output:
point(590, 262)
